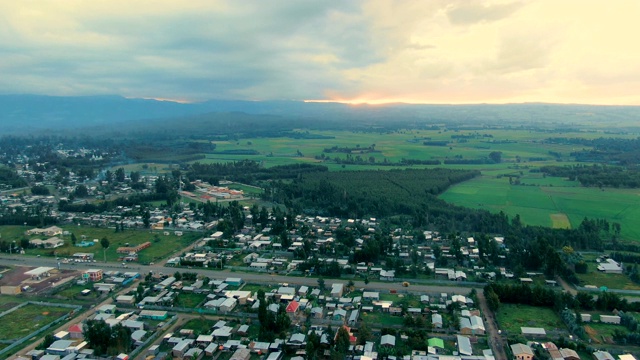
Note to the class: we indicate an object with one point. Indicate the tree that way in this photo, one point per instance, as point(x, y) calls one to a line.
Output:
point(321, 284)
point(493, 301)
point(97, 333)
point(81, 191)
point(46, 342)
point(495, 156)
point(342, 341)
point(104, 242)
point(120, 340)
point(177, 276)
point(364, 334)
point(120, 175)
point(73, 239)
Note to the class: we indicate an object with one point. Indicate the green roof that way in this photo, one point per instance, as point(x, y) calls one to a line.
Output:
point(435, 342)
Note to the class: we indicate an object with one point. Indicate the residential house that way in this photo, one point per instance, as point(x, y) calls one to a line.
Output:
point(388, 340)
point(522, 352)
point(569, 354)
point(464, 345)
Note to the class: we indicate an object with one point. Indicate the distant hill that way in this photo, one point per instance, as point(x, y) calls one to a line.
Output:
point(36, 113)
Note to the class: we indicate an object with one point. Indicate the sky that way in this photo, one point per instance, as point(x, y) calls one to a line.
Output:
point(375, 51)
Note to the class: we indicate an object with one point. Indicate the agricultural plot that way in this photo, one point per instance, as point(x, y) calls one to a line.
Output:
point(512, 317)
point(549, 205)
point(28, 319)
point(546, 201)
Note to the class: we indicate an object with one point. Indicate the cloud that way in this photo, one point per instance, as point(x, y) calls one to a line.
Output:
point(413, 50)
point(470, 12)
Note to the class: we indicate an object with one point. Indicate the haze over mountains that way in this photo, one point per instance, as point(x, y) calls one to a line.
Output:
point(36, 113)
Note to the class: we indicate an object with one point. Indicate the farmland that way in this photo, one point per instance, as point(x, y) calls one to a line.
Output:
point(539, 200)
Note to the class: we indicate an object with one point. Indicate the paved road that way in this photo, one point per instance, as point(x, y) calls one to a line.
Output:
point(258, 278)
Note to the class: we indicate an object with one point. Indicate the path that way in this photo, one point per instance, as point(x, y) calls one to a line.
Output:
point(495, 339)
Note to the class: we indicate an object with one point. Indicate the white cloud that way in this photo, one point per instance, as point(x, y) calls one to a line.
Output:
point(420, 51)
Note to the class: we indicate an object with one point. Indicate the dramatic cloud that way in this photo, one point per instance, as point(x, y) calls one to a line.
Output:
point(434, 51)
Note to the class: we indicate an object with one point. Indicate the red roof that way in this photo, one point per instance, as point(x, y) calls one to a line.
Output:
point(75, 328)
point(293, 306)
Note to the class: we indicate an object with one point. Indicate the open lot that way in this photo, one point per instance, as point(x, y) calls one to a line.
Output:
point(512, 317)
point(28, 319)
point(380, 320)
point(162, 246)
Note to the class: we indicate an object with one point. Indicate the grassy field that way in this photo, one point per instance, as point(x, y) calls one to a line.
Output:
point(612, 281)
point(548, 204)
point(512, 317)
point(28, 319)
point(602, 333)
point(162, 246)
point(190, 300)
point(378, 320)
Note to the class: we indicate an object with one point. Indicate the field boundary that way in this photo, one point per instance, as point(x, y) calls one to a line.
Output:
point(28, 337)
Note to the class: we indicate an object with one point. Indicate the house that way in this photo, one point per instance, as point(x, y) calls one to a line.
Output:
point(602, 355)
point(193, 353)
point(93, 275)
point(138, 336)
point(154, 314)
point(233, 281)
point(107, 309)
point(292, 307)
point(317, 312)
point(337, 290)
point(181, 348)
point(387, 275)
point(75, 331)
point(610, 319)
point(464, 345)
point(59, 347)
point(388, 340)
point(610, 266)
point(371, 295)
point(353, 318)
point(436, 344)
point(436, 320)
point(569, 354)
point(533, 333)
point(522, 352)
point(241, 354)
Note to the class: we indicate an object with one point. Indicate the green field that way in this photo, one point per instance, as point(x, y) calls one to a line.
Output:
point(550, 203)
point(162, 246)
point(612, 281)
point(512, 317)
point(28, 319)
point(190, 300)
point(540, 200)
point(378, 319)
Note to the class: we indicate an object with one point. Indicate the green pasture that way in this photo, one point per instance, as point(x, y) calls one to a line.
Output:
point(511, 317)
point(397, 145)
point(28, 319)
point(162, 246)
point(550, 201)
